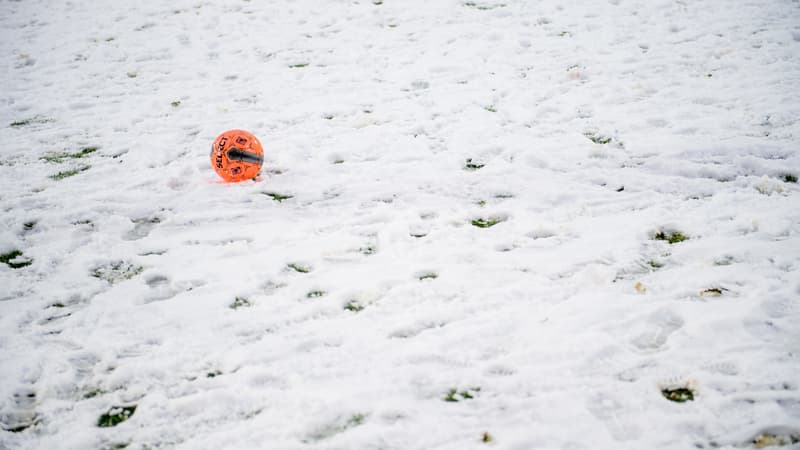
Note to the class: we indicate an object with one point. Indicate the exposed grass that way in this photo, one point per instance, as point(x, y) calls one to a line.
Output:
point(673, 237)
point(486, 438)
point(598, 138)
point(473, 165)
point(655, 264)
point(69, 173)
point(454, 395)
point(368, 250)
point(315, 293)
point(483, 7)
point(240, 302)
point(278, 197)
point(115, 416)
point(354, 306)
point(116, 271)
point(29, 121)
point(213, 374)
point(428, 276)
point(490, 108)
point(789, 178)
point(60, 157)
point(176, 103)
point(84, 222)
point(15, 260)
point(93, 393)
point(297, 267)
point(488, 222)
point(678, 395)
point(713, 292)
point(298, 66)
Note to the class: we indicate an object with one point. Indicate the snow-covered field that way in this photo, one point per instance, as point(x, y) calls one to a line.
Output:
point(481, 224)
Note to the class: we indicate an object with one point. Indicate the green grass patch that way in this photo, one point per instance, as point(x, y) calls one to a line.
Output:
point(315, 293)
point(298, 66)
point(486, 438)
point(678, 395)
point(488, 222)
point(240, 302)
point(92, 393)
point(428, 276)
point(354, 306)
point(68, 173)
point(60, 157)
point(278, 197)
point(15, 259)
point(490, 108)
point(673, 237)
point(176, 103)
point(789, 178)
point(115, 416)
point(598, 138)
point(297, 267)
point(454, 395)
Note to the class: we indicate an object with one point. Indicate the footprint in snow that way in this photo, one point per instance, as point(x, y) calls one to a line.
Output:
point(658, 328)
point(22, 414)
point(611, 412)
point(143, 226)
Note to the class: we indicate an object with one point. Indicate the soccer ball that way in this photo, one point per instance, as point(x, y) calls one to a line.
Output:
point(236, 155)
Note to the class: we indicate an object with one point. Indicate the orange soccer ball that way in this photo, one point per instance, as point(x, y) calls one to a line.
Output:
point(236, 155)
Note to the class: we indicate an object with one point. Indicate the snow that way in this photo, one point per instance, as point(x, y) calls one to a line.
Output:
point(344, 315)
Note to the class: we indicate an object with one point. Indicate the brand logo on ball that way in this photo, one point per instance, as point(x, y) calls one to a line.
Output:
point(239, 163)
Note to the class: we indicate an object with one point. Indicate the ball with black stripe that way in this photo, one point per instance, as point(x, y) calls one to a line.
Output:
point(237, 155)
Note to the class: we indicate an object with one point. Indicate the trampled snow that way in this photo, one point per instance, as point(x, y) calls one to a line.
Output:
point(499, 223)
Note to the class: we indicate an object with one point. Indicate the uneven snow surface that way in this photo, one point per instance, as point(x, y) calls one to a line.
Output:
point(356, 296)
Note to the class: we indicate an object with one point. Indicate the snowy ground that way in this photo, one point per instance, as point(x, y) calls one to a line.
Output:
point(348, 299)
